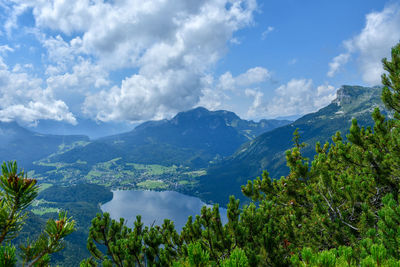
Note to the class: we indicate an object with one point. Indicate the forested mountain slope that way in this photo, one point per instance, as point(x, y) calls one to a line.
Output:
point(267, 152)
point(25, 146)
point(191, 138)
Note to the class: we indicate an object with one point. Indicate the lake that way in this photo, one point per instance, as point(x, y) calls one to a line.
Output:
point(154, 207)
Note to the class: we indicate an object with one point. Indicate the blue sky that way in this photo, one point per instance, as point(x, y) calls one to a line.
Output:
point(135, 60)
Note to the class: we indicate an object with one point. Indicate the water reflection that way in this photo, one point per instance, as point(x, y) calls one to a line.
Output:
point(154, 207)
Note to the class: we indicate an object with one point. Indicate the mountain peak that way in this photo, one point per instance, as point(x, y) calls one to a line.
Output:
point(190, 116)
point(198, 112)
point(348, 94)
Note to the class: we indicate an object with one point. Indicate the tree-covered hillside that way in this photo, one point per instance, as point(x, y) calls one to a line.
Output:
point(25, 146)
point(191, 138)
point(267, 152)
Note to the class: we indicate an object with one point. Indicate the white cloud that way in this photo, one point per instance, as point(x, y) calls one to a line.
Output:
point(227, 81)
point(297, 97)
point(173, 54)
point(61, 55)
point(257, 104)
point(381, 32)
point(120, 32)
point(22, 68)
point(267, 32)
point(73, 86)
point(143, 97)
point(83, 76)
point(165, 50)
point(5, 49)
point(250, 77)
point(336, 63)
point(253, 76)
point(325, 94)
point(66, 16)
point(14, 11)
point(23, 99)
point(217, 94)
point(235, 41)
point(211, 97)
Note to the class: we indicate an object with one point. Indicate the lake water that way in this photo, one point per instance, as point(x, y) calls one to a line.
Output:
point(154, 207)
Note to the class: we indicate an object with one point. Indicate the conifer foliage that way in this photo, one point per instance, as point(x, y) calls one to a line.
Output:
point(340, 209)
point(17, 192)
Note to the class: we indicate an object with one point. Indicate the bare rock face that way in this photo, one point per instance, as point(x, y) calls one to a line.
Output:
point(356, 95)
point(342, 96)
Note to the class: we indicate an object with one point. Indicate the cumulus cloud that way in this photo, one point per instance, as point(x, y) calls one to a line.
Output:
point(61, 55)
point(257, 104)
point(13, 12)
point(381, 32)
point(164, 48)
point(173, 54)
point(336, 63)
point(216, 93)
point(73, 86)
point(214, 99)
point(119, 33)
point(23, 99)
point(250, 77)
point(298, 96)
point(325, 94)
point(142, 97)
point(211, 97)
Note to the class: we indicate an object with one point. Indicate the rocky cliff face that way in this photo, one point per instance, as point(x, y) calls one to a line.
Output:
point(342, 96)
point(356, 95)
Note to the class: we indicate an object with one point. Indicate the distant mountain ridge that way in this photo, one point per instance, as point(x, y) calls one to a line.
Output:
point(25, 146)
point(192, 138)
point(219, 131)
point(267, 152)
point(93, 129)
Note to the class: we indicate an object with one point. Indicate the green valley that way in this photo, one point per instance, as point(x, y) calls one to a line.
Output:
point(157, 155)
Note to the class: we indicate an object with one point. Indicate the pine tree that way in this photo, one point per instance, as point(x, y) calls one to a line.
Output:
point(17, 192)
point(140, 246)
point(369, 183)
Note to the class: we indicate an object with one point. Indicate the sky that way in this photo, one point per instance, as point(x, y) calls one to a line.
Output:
point(136, 60)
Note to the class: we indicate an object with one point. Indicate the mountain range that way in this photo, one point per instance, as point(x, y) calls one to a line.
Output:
point(267, 151)
point(25, 146)
point(227, 149)
point(191, 138)
point(84, 126)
